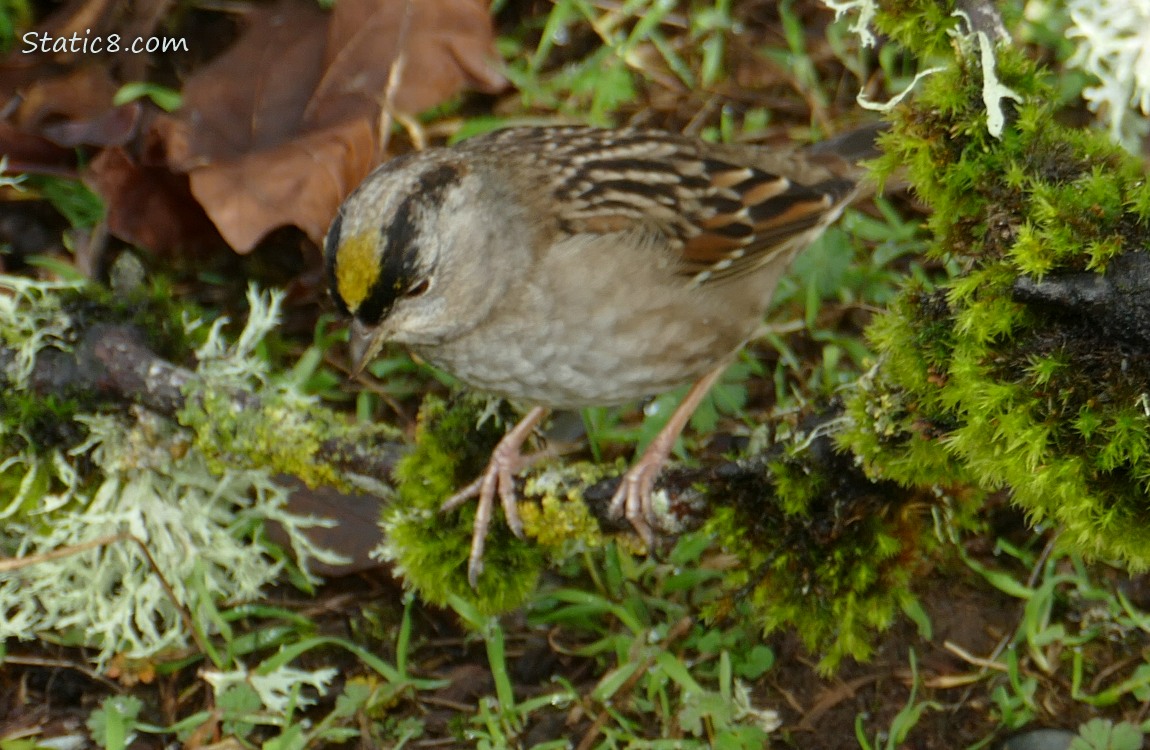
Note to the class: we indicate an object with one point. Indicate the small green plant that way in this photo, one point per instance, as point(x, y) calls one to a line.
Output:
point(115, 723)
point(629, 46)
point(500, 719)
point(165, 98)
point(269, 699)
point(904, 721)
point(75, 201)
point(1103, 734)
point(1015, 700)
point(1060, 590)
point(665, 673)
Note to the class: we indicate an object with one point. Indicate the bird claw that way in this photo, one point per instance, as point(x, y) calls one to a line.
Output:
point(498, 478)
point(632, 499)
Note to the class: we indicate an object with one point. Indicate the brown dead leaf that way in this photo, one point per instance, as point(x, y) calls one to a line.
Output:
point(69, 107)
point(227, 114)
point(447, 48)
point(84, 18)
point(299, 183)
point(88, 21)
point(27, 152)
point(113, 127)
point(142, 19)
point(76, 108)
point(285, 142)
point(64, 99)
point(149, 206)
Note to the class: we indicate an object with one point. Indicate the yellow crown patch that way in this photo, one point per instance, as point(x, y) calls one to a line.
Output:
point(356, 269)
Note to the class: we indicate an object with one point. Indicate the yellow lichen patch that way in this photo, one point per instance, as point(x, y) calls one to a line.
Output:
point(279, 436)
point(356, 269)
point(559, 516)
point(554, 522)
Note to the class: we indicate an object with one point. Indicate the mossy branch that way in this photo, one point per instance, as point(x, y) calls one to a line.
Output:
point(821, 547)
point(1030, 371)
point(111, 362)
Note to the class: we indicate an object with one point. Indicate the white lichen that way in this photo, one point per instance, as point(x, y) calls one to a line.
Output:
point(280, 690)
point(30, 320)
point(861, 26)
point(1112, 40)
point(993, 90)
point(74, 542)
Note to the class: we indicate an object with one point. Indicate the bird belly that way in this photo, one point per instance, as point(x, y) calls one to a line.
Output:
point(628, 331)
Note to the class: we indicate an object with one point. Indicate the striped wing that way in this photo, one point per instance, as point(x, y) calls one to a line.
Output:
point(725, 218)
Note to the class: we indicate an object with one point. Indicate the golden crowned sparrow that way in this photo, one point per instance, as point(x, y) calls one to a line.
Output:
point(575, 266)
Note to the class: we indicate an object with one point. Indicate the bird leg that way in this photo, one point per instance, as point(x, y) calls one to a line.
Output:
point(506, 460)
point(633, 497)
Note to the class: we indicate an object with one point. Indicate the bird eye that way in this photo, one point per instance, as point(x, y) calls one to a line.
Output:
point(418, 289)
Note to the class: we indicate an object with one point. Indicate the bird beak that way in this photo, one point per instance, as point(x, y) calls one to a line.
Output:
point(364, 343)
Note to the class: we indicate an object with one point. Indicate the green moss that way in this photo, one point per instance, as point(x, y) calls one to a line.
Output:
point(918, 24)
point(823, 550)
point(283, 435)
point(431, 548)
point(975, 387)
point(34, 422)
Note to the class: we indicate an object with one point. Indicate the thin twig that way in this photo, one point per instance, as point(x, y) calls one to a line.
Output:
point(36, 661)
point(394, 78)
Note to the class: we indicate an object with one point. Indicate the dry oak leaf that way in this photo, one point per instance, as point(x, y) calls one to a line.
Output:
point(149, 206)
point(300, 183)
point(27, 152)
point(285, 142)
point(447, 47)
point(71, 109)
point(77, 84)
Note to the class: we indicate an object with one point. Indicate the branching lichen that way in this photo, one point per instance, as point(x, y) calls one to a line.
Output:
point(87, 491)
point(1114, 48)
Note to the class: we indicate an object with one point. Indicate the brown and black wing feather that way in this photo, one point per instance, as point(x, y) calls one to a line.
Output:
point(725, 217)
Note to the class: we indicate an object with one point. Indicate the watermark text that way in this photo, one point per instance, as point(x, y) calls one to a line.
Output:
point(94, 44)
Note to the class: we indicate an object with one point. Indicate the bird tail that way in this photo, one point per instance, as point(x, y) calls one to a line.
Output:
point(853, 145)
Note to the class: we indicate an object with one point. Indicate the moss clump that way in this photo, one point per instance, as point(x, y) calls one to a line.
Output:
point(430, 548)
point(822, 549)
point(975, 386)
point(38, 423)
